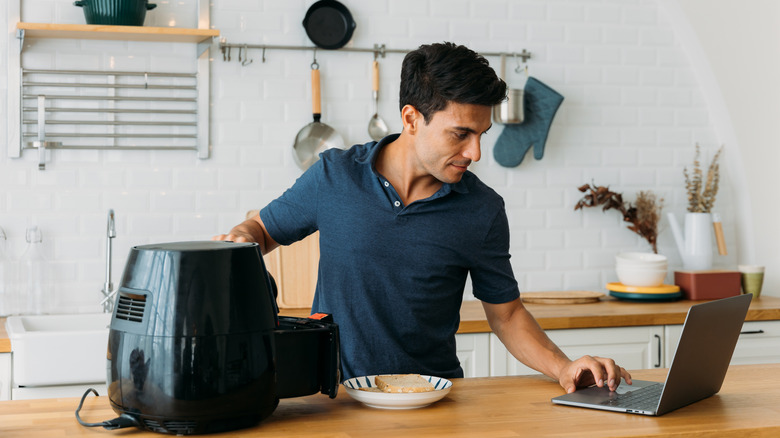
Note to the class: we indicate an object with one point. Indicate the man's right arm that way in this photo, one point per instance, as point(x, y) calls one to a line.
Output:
point(251, 230)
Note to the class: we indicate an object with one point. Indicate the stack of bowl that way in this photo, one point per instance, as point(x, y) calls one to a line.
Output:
point(642, 277)
point(641, 269)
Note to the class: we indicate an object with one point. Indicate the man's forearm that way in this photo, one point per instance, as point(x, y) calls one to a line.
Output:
point(525, 339)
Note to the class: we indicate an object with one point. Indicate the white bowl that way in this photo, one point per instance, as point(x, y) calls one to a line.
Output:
point(641, 276)
point(640, 258)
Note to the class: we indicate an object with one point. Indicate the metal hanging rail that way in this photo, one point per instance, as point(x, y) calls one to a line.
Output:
point(378, 50)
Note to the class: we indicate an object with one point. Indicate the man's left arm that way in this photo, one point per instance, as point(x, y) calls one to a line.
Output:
point(525, 339)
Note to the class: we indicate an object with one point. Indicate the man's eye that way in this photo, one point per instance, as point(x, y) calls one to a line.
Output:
point(461, 135)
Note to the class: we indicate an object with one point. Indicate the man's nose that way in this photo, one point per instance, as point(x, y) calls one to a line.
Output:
point(474, 150)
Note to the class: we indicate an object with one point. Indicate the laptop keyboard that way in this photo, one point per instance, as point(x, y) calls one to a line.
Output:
point(645, 399)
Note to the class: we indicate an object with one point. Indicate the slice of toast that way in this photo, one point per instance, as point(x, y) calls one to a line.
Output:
point(403, 383)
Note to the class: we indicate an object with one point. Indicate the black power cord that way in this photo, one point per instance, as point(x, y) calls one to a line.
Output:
point(119, 422)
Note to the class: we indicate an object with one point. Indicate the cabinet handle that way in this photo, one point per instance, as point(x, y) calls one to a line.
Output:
point(751, 332)
point(658, 364)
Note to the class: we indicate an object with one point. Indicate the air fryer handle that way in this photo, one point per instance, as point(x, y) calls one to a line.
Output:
point(331, 369)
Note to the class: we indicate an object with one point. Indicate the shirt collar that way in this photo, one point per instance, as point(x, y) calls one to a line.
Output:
point(373, 153)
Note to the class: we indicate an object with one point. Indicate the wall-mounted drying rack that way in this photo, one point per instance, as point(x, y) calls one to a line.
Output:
point(108, 110)
point(379, 50)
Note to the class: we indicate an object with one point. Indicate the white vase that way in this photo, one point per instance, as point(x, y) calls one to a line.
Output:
point(696, 246)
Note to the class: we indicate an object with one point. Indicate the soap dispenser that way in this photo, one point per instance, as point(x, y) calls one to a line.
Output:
point(33, 274)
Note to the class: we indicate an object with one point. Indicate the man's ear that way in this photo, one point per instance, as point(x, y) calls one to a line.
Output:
point(410, 118)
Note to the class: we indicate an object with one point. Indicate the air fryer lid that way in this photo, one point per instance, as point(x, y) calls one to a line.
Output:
point(199, 288)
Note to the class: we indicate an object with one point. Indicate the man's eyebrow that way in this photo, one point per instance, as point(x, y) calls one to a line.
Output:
point(471, 130)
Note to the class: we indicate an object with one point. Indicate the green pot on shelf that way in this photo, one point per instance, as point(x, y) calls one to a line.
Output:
point(115, 12)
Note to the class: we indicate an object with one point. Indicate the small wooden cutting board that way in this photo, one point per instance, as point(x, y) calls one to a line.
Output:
point(561, 297)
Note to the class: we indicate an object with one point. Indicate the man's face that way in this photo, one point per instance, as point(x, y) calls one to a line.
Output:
point(451, 140)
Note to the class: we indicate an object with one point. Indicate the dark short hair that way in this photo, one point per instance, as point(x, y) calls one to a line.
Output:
point(439, 73)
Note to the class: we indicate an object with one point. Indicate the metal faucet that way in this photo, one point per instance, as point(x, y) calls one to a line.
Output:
point(108, 287)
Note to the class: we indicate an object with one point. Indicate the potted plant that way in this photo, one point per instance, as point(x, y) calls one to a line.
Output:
point(695, 245)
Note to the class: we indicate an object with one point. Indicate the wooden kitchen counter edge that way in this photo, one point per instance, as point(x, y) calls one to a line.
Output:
point(747, 405)
point(606, 313)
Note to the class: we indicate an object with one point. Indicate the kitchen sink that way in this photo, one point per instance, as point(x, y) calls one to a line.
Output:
point(58, 349)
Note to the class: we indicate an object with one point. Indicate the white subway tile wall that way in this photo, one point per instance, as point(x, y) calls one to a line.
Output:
point(633, 112)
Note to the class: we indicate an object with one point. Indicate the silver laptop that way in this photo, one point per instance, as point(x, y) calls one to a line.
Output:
point(700, 363)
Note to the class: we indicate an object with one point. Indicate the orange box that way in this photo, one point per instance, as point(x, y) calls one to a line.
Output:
point(708, 285)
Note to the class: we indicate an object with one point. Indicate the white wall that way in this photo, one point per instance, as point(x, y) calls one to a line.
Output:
point(734, 49)
point(634, 109)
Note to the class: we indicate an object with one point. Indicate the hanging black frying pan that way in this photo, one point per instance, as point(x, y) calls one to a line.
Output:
point(329, 24)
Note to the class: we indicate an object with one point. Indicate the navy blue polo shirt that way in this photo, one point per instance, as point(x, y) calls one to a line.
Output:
point(393, 275)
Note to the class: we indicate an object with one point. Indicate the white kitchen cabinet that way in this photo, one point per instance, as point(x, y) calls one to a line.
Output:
point(5, 376)
point(58, 391)
point(630, 347)
point(473, 351)
point(758, 343)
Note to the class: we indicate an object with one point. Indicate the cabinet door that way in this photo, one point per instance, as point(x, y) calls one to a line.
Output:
point(631, 347)
point(5, 376)
point(473, 351)
point(36, 392)
point(758, 343)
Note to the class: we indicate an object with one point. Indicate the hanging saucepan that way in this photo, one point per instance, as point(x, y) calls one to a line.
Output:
point(329, 24)
point(511, 110)
point(315, 137)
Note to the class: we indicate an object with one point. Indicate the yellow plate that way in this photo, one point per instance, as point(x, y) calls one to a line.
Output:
point(662, 289)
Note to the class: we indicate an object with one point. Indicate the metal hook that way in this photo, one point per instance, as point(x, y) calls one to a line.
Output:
point(519, 67)
point(240, 49)
point(246, 57)
point(379, 51)
point(222, 42)
point(314, 64)
point(263, 54)
point(228, 53)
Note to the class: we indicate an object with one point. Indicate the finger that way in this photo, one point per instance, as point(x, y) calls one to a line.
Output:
point(597, 369)
point(626, 376)
point(612, 370)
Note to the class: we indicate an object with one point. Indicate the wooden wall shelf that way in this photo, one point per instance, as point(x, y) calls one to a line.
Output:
point(123, 33)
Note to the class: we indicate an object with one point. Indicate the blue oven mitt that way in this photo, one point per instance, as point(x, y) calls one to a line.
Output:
point(540, 102)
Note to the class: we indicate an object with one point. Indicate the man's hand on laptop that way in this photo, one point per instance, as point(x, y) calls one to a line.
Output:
point(589, 370)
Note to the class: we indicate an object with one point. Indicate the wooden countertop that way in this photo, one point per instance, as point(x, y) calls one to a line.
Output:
point(747, 405)
point(5, 343)
point(608, 312)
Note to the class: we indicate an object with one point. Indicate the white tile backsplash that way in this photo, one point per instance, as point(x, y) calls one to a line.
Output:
point(633, 110)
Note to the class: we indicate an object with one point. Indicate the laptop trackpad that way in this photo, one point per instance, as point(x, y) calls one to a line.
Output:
point(595, 395)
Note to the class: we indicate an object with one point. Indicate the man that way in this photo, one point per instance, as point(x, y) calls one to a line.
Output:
point(403, 223)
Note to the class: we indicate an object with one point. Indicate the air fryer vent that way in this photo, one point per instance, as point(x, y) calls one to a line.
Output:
point(175, 427)
point(131, 307)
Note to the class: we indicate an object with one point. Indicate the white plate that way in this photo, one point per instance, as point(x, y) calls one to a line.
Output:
point(387, 400)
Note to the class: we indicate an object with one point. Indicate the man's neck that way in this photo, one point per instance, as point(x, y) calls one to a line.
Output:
point(398, 163)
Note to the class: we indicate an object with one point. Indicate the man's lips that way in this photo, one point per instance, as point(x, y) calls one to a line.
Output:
point(461, 166)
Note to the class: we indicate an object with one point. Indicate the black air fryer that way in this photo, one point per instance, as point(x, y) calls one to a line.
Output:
point(196, 345)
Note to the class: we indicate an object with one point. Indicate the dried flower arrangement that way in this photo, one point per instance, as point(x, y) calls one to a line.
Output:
point(643, 217)
point(701, 194)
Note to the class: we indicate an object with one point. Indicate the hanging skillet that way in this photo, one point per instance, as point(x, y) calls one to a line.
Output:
point(329, 24)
